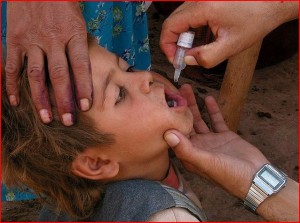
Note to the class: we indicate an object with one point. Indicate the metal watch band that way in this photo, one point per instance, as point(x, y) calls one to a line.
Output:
point(261, 188)
point(254, 197)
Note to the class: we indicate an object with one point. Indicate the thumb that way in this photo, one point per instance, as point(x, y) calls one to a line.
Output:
point(181, 145)
point(195, 160)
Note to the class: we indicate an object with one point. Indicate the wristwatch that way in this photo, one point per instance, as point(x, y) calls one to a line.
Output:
point(267, 181)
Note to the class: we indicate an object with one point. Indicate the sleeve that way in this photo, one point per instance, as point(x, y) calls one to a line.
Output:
point(173, 215)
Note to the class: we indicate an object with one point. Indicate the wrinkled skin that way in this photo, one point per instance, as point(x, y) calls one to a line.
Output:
point(53, 36)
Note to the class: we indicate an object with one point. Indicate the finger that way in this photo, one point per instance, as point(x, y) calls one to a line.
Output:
point(61, 83)
point(168, 39)
point(181, 20)
point(194, 159)
point(211, 54)
point(175, 24)
point(217, 121)
point(179, 143)
point(199, 125)
point(169, 49)
point(37, 81)
point(14, 63)
point(81, 68)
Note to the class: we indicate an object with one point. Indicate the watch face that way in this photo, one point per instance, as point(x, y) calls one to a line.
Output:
point(271, 178)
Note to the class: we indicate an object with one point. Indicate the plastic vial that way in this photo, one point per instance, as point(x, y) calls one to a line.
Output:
point(184, 43)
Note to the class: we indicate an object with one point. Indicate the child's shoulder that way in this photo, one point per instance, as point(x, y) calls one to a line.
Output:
point(132, 200)
point(138, 200)
point(128, 200)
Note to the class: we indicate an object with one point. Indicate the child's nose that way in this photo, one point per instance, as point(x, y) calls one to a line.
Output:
point(146, 79)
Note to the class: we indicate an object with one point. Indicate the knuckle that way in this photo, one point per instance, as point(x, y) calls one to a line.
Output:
point(58, 72)
point(80, 61)
point(35, 72)
point(51, 31)
point(11, 68)
point(77, 26)
point(78, 39)
point(203, 61)
point(11, 87)
point(13, 35)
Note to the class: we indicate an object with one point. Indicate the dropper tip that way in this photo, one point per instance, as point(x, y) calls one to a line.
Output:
point(176, 75)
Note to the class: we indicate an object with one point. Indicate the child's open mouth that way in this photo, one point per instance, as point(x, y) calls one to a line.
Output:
point(174, 99)
point(171, 102)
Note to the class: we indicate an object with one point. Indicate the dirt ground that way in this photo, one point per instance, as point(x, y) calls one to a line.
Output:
point(274, 91)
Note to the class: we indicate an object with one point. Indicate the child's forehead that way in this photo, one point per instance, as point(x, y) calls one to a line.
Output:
point(103, 54)
point(100, 55)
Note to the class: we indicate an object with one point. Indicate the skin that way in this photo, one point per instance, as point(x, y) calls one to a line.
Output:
point(51, 33)
point(235, 25)
point(226, 159)
point(137, 117)
point(209, 151)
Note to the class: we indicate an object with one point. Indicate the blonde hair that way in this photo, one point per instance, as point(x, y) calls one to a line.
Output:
point(40, 156)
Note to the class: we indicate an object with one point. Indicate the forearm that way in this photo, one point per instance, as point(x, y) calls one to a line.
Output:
point(283, 206)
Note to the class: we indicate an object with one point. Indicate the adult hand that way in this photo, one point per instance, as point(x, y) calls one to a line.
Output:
point(218, 154)
point(235, 25)
point(51, 35)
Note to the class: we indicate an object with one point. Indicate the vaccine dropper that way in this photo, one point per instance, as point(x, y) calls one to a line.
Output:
point(184, 43)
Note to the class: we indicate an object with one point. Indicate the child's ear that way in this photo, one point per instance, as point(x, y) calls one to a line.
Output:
point(95, 166)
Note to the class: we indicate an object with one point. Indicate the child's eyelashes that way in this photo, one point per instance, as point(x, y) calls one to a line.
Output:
point(121, 95)
point(122, 90)
point(130, 69)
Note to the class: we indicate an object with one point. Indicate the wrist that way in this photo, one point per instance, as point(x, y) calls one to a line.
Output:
point(256, 166)
point(282, 206)
point(266, 182)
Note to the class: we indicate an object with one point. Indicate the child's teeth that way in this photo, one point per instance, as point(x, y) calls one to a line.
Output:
point(172, 103)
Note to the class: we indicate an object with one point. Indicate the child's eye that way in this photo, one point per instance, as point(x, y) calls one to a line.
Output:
point(130, 69)
point(121, 96)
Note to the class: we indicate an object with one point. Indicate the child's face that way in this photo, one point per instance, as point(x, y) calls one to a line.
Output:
point(133, 107)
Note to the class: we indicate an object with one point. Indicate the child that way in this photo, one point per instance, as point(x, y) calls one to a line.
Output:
point(85, 170)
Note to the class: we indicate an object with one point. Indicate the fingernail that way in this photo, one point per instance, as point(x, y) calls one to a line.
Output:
point(84, 104)
point(13, 100)
point(172, 139)
point(45, 116)
point(67, 119)
point(190, 60)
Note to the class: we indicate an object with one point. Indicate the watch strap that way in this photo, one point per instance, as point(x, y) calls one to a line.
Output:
point(254, 197)
point(259, 190)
